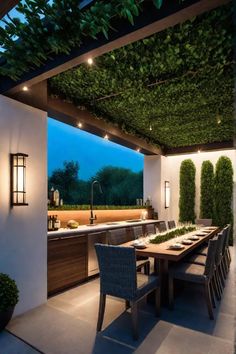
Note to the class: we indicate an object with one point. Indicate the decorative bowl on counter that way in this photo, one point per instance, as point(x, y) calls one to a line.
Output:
point(72, 224)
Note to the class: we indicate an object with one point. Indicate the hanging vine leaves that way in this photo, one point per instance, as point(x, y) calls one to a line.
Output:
point(56, 27)
point(180, 80)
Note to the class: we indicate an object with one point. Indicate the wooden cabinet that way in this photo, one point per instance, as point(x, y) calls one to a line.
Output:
point(67, 262)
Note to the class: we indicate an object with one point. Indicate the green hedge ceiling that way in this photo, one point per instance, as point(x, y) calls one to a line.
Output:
point(179, 81)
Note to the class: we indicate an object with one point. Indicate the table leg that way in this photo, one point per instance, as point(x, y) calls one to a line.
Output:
point(163, 268)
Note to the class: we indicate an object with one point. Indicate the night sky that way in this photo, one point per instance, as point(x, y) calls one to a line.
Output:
point(66, 143)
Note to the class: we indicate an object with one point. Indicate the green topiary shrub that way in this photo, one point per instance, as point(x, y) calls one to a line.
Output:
point(223, 193)
point(187, 191)
point(9, 294)
point(207, 190)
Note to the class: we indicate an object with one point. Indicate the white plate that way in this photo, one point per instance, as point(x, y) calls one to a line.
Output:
point(193, 238)
point(176, 246)
point(187, 242)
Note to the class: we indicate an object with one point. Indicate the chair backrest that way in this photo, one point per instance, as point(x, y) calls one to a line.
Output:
point(162, 226)
point(171, 224)
point(226, 232)
point(117, 267)
point(210, 259)
point(205, 222)
point(150, 229)
point(137, 231)
point(118, 236)
point(219, 247)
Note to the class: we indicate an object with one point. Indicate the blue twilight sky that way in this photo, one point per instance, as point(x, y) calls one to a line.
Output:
point(68, 143)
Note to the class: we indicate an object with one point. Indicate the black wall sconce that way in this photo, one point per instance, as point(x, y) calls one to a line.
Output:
point(167, 194)
point(18, 179)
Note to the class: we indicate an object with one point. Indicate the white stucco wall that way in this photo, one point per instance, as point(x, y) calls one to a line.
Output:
point(23, 229)
point(157, 169)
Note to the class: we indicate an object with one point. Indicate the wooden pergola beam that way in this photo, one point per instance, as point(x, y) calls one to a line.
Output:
point(6, 6)
point(224, 145)
point(70, 114)
point(150, 21)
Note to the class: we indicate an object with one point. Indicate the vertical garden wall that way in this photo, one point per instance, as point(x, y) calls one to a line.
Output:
point(207, 190)
point(223, 193)
point(187, 191)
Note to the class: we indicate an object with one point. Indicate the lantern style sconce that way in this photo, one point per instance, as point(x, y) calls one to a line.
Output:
point(18, 179)
point(167, 194)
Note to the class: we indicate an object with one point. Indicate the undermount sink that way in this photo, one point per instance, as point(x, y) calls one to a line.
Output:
point(91, 225)
point(134, 220)
point(112, 223)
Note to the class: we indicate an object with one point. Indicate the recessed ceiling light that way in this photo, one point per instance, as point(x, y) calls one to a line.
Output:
point(25, 88)
point(150, 127)
point(79, 125)
point(90, 61)
point(138, 149)
point(106, 137)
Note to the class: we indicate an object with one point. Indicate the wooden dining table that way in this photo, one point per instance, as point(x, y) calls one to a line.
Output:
point(164, 255)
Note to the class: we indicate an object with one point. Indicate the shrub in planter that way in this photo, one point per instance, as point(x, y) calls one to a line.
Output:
point(207, 190)
point(9, 296)
point(187, 191)
point(223, 193)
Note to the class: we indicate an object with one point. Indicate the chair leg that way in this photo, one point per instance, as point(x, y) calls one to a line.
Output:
point(147, 268)
point(221, 276)
point(219, 282)
point(224, 268)
point(216, 288)
point(212, 295)
point(229, 255)
point(171, 293)
point(156, 269)
point(208, 301)
point(225, 264)
point(134, 317)
point(102, 304)
point(158, 302)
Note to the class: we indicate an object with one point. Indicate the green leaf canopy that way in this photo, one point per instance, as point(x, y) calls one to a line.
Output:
point(178, 81)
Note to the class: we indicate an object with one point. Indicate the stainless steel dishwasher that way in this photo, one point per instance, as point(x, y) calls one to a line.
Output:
point(96, 237)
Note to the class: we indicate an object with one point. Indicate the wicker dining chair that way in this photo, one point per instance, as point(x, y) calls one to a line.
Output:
point(204, 222)
point(220, 271)
point(198, 274)
point(118, 236)
point(137, 232)
point(118, 277)
point(150, 229)
point(227, 255)
point(162, 226)
point(171, 224)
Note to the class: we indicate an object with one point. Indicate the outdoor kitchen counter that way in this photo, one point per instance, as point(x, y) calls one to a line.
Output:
point(84, 229)
point(71, 254)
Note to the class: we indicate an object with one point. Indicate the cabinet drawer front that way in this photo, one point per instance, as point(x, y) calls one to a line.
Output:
point(67, 262)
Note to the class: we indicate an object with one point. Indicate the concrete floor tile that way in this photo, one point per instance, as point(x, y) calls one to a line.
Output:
point(9, 344)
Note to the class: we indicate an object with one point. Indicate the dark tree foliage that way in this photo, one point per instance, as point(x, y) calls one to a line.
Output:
point(223, 195)
point(207, 190)
point(120, 186)
point(66, 180)
point(187, 191)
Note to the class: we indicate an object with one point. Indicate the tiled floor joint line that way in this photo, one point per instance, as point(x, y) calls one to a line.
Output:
point(118, 342)
point(22, 340)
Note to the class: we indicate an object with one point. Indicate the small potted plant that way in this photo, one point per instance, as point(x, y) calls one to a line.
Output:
point(9, 296)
